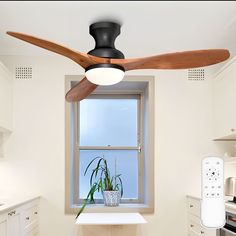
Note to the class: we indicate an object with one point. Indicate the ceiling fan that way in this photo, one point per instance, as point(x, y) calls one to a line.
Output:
point(105, 65)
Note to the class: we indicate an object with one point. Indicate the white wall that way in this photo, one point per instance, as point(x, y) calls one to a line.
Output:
point(35, 162)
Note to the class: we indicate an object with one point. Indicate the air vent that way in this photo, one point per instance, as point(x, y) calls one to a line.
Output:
point(23, 72)
point(196, 74)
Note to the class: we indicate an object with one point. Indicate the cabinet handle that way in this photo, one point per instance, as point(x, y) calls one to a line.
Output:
point(191, 226)
point(27, 218)
point(191, 206)
point(36, 213)
point(232, 130)
point(202, 232)
point(12, 213)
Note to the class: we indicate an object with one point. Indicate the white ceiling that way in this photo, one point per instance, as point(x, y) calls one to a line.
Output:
point(148, 28)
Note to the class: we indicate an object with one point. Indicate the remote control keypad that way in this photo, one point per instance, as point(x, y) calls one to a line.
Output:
point(212, 182)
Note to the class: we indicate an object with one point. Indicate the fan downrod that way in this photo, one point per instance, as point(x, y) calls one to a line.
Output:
point(105, 34)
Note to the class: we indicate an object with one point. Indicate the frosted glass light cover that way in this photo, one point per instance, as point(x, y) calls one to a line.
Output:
point(105, 76)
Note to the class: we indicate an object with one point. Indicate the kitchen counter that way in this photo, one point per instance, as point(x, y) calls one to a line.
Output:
point(12, 202)
point(229, 207)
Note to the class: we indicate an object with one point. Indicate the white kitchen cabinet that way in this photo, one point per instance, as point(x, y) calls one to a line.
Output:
point(224, 102)
point(30, 218)
point(6, 97)
point(194, 222)
point(194, 234)
point(10, 223)
point(20, 221)
point(32, 232)
point(3, 225)
point(13, 223)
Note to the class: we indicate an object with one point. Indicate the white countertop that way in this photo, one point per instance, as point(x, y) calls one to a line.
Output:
point(11, 202)
point(229, 207)
point(110, 219)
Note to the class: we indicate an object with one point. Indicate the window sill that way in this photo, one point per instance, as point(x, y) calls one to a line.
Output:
point(110, 219)
point(122, 208)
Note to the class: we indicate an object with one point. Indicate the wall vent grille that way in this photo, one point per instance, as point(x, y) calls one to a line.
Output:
point(24, 72)
point(196, 74)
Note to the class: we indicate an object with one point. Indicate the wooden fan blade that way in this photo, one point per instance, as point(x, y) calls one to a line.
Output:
point(82, 59)
point(80, 91)
point(177, 60)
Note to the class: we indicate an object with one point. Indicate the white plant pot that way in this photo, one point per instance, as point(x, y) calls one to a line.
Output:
point(111, 198)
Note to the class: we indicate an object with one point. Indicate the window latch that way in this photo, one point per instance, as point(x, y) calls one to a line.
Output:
point(139, 149)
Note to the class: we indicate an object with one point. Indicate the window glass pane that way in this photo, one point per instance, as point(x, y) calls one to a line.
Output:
point(126, 165)
point(106, 122)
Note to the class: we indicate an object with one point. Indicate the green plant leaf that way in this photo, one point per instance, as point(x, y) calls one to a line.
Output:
point(89, 199)
point(91, 177)
point(98, 165)
point(100, 185)
point(92, 174)
point(81, 209)
point(121, 186)
point(104, 182)
point(91, 193)
point(107, 173)
point(90, 164)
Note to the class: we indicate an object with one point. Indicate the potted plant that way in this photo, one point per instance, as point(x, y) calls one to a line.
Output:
point(101, 180)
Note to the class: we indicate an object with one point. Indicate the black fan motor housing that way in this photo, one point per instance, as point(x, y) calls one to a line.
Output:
point(104, 34)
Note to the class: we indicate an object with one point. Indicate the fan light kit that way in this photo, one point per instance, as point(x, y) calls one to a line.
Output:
point(105, 65)
point(105, 74)
point(104, 34)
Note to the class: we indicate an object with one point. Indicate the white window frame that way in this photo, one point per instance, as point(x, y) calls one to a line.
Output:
point(145, 202)
point(113, 95)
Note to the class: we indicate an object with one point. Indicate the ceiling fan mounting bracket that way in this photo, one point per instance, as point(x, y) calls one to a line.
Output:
point(105, 34)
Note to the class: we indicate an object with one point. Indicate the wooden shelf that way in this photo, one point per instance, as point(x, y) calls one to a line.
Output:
point(110, 219)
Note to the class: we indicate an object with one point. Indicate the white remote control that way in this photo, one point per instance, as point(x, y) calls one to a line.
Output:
point(213, 204)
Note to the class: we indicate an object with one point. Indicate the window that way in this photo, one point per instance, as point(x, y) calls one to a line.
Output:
point(109, 126)
point(113, 122)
